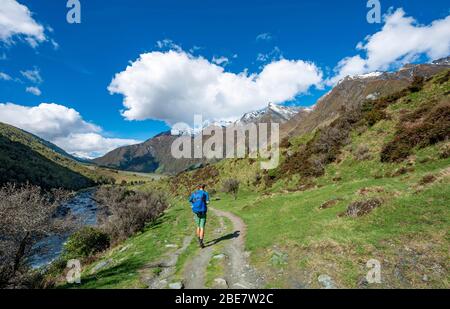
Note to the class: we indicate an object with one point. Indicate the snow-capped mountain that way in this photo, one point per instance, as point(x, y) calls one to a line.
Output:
point(272, 113)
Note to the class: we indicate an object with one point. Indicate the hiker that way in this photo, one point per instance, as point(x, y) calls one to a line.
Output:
point(199, 201)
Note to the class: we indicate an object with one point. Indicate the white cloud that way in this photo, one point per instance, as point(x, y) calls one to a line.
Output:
point(61, 125)
point(221, 60)
point(91, 145)
point(173, 86)
point(264, 37)
point(4, 76)
point(401, 40)
point(16, 20)
point(34, 90)
point(33, 75)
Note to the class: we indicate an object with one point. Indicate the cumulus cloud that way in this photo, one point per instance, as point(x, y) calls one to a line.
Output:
point(4, 76)
point(33, 75)
point(61, 125)
point(16, 20)
point(90, 145)
point(173, 86)
point(401, 40)
point(34, 90)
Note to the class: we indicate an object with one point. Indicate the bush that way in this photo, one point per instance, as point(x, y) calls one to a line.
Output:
point(444, 151)
point(311, 159)
point(26, 215)
point(124, 213)
point(86, 242)
point(374, 116)
point(362, 153)
point(422, 128)
point(231, 186)
point(361, 208)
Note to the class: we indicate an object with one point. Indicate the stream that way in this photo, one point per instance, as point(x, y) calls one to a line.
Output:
point(83, 208)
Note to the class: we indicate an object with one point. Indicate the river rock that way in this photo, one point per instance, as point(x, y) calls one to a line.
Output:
point(220, 283)
point(326, 282)
point(219, 256)
point(176, 286)
point(101, 265)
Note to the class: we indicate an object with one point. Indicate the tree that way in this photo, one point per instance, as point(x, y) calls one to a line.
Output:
point(26, 215)
point(231, 186)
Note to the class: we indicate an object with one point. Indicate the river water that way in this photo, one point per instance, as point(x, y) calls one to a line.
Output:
point(84, 209)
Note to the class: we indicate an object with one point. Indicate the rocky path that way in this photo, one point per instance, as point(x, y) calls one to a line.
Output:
point(238, 272)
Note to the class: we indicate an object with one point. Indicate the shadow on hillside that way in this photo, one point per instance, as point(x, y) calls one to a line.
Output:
point(233, 235)
point(19, 163)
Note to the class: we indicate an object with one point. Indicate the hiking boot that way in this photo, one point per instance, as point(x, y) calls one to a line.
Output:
point(202, 245)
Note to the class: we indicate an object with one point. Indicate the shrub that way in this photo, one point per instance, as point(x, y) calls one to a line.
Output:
point(417, 84)
point(427, 179)
point(361, 208)
point(444, 151)
point(362, 153)
point(422, 128)
point(124, 213)
point(26, 214)
point(311, 159)
point(86, 242)
point(374, 116)
point(231, 186)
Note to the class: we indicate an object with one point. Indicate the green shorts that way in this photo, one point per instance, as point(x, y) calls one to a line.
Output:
point(200, 219)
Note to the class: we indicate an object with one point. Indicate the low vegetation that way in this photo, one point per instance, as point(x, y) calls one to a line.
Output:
point(26, 215)
point(125, 212)
point(86, 242)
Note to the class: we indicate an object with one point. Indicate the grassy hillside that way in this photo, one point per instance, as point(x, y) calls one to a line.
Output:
point(26, 157)
point(300, 220)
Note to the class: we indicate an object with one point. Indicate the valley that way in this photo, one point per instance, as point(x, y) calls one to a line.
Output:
point(364, 175)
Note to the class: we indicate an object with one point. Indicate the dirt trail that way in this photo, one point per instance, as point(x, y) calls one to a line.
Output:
point(239, 274)
point(167, 267)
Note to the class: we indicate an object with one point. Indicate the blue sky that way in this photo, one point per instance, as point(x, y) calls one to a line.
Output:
point(114, 33)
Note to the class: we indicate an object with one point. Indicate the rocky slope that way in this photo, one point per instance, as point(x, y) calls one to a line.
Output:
point(353, 91)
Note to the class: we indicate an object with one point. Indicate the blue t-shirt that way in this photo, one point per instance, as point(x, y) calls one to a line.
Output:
point(199, 201)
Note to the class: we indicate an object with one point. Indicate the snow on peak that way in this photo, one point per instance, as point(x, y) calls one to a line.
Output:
point(368, 75)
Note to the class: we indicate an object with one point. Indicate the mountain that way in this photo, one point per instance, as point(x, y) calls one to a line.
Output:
point(25, 157)
point(272, 113)
point(354, 90)
point(154, 155)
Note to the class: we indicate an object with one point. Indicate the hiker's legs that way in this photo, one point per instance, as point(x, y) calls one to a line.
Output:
point(202, 226)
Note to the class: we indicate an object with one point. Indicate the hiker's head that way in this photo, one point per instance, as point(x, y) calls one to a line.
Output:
point(201, 187)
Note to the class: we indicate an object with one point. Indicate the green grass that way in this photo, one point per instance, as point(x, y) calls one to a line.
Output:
point(146, 247)
point(294, 221)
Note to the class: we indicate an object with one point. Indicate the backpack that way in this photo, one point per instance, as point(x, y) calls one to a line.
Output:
point(198, 201)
